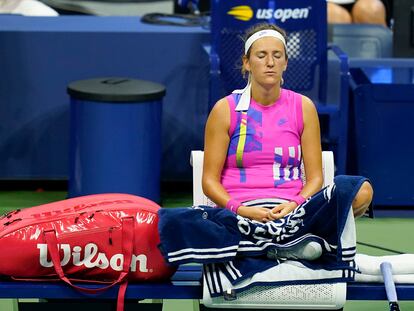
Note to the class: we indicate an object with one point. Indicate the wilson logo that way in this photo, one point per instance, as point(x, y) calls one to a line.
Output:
point(246, 13)
point(92, 258)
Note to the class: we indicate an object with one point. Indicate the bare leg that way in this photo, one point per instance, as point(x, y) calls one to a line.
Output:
point(338, 15)
point(369, 12)
point(362, 199)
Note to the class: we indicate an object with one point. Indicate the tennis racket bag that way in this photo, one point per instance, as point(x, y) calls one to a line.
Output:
point(109, 238)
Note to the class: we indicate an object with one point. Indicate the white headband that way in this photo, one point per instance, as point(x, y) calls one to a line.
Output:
point(261, 34)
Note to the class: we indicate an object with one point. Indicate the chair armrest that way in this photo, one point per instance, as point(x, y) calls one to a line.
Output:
point(196, 161)
point(343, 109)
point(342, 56)
point(381, 62)
point(328, 168)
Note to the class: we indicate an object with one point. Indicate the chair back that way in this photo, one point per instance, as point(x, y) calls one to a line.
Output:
point(306, 27)
point(363, 40)
point(327, 296)
point(197, 159)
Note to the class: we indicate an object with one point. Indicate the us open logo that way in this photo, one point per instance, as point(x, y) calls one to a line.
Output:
point(246, 13)
point(241, 12)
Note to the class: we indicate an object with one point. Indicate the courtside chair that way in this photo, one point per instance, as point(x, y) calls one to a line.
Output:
point(363, 41)
point(197, 160)
point(312, 296)
point(307, 73)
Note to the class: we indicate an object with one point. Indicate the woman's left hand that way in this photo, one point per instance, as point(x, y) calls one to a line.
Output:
point(281, 210)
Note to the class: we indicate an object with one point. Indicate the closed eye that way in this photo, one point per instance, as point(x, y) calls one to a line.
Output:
point(277, 55)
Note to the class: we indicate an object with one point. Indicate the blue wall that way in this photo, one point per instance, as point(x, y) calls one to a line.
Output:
point(40, 56)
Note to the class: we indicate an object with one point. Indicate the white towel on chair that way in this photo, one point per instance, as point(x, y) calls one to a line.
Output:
point(401, 264)
point(398, 278)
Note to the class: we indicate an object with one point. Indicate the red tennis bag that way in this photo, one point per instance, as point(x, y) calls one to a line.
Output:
point(109, 238)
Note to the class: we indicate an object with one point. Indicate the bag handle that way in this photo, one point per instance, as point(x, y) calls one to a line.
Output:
point(127, 249)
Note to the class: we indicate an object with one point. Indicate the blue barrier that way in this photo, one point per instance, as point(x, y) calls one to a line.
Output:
point(383, 105)
point(34, 110)
point(41, 55)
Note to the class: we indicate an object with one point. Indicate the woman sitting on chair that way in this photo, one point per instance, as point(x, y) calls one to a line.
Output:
point(256, 139)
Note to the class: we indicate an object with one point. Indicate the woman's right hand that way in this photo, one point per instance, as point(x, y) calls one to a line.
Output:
point(257, 213)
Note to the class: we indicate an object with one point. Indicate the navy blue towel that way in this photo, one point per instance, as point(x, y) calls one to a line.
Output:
point(235, 249)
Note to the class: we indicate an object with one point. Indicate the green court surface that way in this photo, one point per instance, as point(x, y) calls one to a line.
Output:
point(387, 233)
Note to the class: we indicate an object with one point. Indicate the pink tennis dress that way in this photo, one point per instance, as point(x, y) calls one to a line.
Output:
point(264, 155)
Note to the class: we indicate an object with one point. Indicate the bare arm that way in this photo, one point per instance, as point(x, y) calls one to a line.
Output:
point(216, 143)
point(311, 149)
